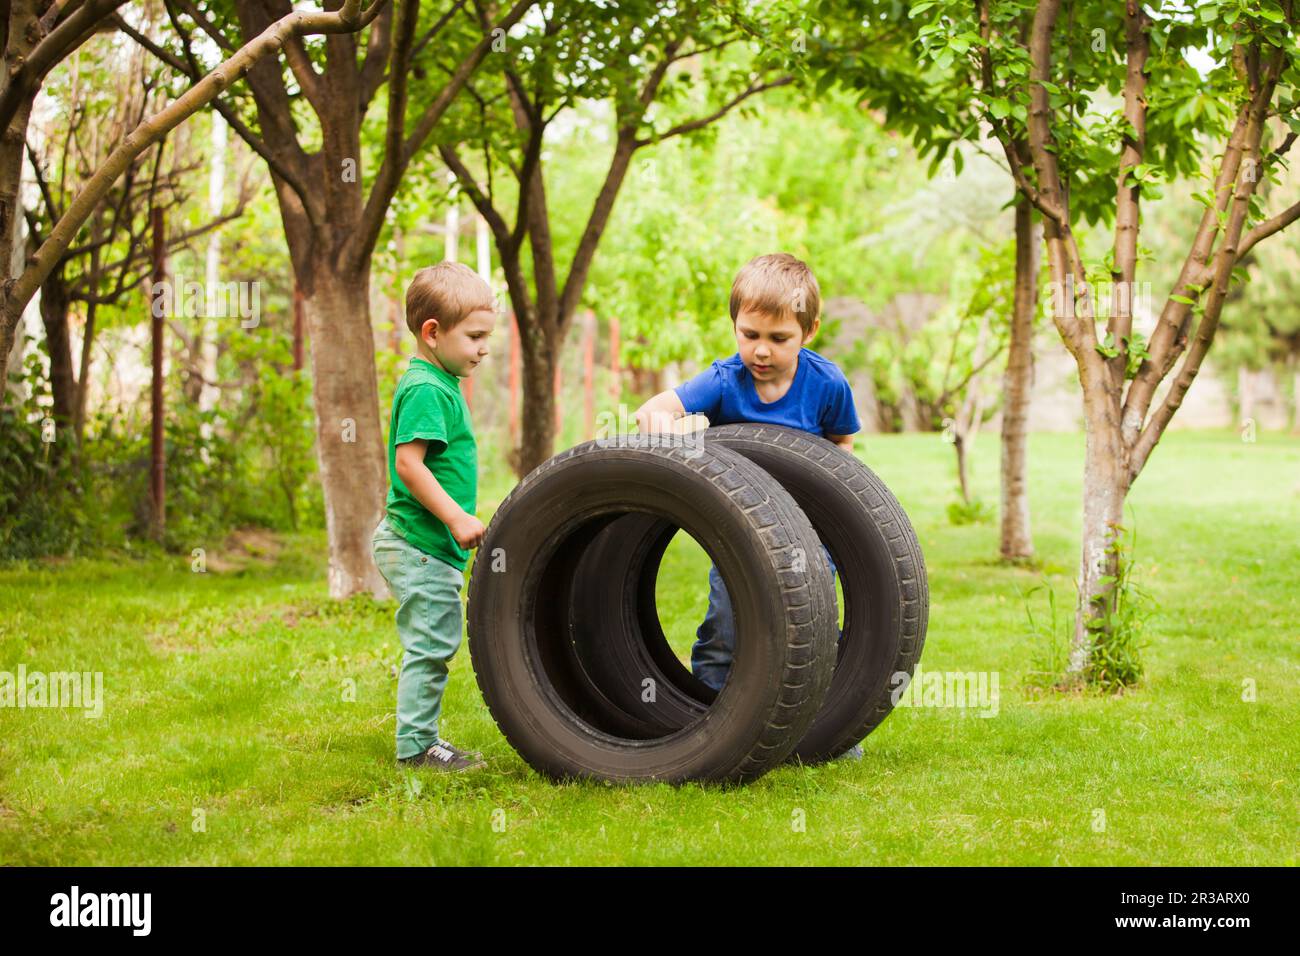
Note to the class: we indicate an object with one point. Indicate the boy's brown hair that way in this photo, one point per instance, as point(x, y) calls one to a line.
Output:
point(777, 285)
point(448, 292)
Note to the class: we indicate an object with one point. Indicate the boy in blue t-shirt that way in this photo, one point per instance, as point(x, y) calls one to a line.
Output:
point(772, 379)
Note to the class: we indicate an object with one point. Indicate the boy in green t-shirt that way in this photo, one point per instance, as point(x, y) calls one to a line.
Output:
point(429, 527)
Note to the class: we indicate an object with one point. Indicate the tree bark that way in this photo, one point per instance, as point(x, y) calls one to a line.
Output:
point(1105, 488)
point(298, 329)
point(349, 442)
point(12, 388)
point(12, 143)
point(63, 385)
point(83, 379)
point(18, 47)
point(206, 330)
point(157, 459)
point(1017, 543)
point(540, 361)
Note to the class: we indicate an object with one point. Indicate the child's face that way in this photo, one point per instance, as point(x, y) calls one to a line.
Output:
point(768, 344)
point(460, 350)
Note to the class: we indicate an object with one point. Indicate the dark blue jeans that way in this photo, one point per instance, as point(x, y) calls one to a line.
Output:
point(715, 639)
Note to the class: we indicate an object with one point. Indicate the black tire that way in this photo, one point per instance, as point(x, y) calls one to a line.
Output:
point(876, 552)
point(524, 633)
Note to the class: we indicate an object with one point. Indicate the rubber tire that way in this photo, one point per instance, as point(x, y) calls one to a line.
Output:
point(876, 552)
point(522, 630)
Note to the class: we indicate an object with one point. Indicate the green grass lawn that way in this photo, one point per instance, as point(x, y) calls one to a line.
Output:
point(227, 738)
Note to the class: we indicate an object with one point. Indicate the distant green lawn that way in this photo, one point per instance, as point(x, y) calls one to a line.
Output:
point(224, 705)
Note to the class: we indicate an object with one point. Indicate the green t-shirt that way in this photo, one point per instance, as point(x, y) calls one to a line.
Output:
point(428, 405)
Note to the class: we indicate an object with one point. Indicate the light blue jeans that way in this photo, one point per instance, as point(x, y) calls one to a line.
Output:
point(715, 639)
point(430, 626)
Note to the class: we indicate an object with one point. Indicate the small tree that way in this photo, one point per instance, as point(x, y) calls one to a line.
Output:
point(869, 46)
point(1086, 162)
point(628, 58)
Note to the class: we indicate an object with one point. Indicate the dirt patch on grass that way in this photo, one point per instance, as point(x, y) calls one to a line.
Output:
point(245, 547)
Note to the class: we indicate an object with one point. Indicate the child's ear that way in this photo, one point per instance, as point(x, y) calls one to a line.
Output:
point(812, 333)
point(429, 331)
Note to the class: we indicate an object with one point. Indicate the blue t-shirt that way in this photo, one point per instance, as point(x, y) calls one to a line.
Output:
point(819, 399)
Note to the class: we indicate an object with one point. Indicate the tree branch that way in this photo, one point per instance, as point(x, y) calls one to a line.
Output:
point(1169, 338)
point(1128, 194)
point(1015, 162)
point(1267, 228)
point(19, 292)
point(1225, 259)
point(398, 153)
point(203, 23)
point(67, 36)
point(232, 118)
point(717, 114)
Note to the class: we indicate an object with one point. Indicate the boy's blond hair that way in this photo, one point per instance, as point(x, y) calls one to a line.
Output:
point(448, 292)
point(777, 285)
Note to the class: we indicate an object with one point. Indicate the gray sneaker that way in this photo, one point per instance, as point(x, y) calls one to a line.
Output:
point(443, 756)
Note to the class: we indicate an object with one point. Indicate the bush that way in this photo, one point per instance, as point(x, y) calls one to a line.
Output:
point(248, 462)
point(973, 512)
point(42, 508)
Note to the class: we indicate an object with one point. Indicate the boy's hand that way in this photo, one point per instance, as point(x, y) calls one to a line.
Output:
point(654, 421)
point(660, 413)
point(468, 531)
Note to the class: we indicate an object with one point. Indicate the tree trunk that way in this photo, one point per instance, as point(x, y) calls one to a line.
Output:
point(349, 441)
point(11, 253)
point(12, 389)
point(588, 376)
point(539, 365)
point(1245, 396)
point(157, 453)
point(297, 328)
point(206, 329)
point(1017, 542)
point(63, 385)
point(970, 414)
point(83, 379)
point(909, 408)
point(864, 393)
point(959, 445)
point(1105, 488)
point(1295, 395)
point(19, 42)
